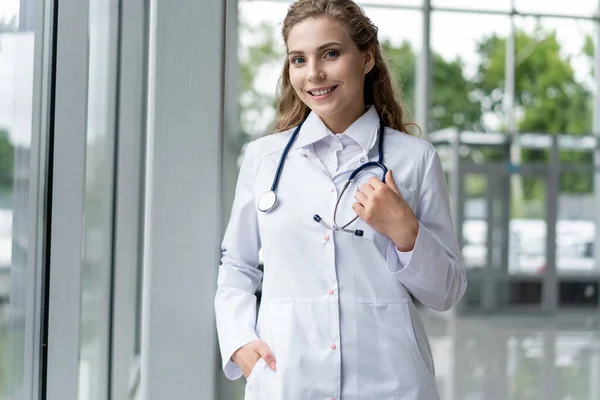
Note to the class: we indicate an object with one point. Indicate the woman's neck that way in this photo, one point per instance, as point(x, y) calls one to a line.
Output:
point(339, 122)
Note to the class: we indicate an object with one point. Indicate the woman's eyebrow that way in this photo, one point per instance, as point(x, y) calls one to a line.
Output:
point(321, 47)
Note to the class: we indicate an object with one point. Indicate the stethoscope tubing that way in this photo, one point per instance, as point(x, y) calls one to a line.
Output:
point(269, 199)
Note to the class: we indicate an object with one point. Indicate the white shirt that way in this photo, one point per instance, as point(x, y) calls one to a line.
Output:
point(336, 308)
point(336, 150)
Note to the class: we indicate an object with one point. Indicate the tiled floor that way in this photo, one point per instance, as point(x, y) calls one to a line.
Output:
point(517, 358)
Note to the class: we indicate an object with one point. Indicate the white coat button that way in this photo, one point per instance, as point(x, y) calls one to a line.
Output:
point(331, 291)
point(362, 160)
point(332, 190)
point(326, 238)
point(333, 346)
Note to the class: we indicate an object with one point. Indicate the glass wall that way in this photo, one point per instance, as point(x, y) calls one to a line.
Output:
point(17, 132)
point(99, 202)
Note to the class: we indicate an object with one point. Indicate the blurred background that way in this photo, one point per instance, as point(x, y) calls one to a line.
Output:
point(122, 125)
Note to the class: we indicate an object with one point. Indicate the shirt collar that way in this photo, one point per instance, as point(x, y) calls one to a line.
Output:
point(362, 131)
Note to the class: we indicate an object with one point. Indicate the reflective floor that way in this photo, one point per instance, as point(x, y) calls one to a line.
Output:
point(517, 358)
point(522, 357)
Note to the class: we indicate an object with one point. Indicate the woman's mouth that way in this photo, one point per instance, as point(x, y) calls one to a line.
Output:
point(321, 93)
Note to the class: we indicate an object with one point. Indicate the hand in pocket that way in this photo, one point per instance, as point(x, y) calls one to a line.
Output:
point(248, 355)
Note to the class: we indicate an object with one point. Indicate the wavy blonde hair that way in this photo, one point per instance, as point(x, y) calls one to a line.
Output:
point(380, 89)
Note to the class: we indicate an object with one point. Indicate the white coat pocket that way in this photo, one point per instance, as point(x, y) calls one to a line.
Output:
point(259, 384)
point(252, 387)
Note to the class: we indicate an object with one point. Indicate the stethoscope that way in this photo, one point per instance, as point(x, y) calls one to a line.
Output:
point(269, 199)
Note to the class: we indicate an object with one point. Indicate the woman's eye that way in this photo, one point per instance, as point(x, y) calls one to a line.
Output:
point(332, 53)
point(298, 60)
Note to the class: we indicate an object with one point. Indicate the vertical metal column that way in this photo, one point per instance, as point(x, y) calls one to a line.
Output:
point(129, 201)
point(423, 95)
point(183, 199)
point(67, 200)
point(596, 131)
point(232, 137)
point(457, 193)
point(488, 285)
point(38, 192)
point(550, 281)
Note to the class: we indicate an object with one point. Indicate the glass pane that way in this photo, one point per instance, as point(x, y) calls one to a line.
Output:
point(584, 8)
point(475, 245)
point(577, 224)
point(98, 205)
point(494, 5)
point(468, 80)
point(553, 76)
point(17, 48)
point(519, 292)
point(527, 239)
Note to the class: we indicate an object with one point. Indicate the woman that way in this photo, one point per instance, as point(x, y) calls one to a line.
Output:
point(337, 319)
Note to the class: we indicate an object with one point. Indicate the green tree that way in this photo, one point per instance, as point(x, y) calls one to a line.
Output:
point(548, 97)
point(261, 55)
point(452, 102)
point(7, 162)
point(403, 61)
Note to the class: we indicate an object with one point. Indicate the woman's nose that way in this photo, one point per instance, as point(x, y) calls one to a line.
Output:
point(315, 73)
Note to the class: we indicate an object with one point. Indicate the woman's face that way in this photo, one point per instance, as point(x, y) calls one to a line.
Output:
point(327, 70)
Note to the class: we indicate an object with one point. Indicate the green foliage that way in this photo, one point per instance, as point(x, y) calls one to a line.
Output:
point(548, 97)
point(7, 162)
point(258, 57)
point(402, 61)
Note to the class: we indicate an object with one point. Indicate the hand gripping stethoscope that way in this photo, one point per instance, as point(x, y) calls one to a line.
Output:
point(268, 200)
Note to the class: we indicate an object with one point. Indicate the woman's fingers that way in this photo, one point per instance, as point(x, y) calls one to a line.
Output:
point(361, 198)
point(265, 352)
point(367, 189)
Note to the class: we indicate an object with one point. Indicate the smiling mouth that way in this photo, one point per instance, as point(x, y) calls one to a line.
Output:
point(316, 93)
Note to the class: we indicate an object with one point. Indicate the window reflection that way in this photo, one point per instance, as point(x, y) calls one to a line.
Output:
point(16, 88)
point(98, 205)
point(553, 81)
point(468, 71)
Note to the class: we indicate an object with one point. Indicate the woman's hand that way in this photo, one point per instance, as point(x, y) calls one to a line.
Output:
point(382, 207)
point(248, 355)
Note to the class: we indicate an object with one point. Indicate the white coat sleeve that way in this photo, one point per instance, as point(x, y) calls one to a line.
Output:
point(434, 273)
point(239, 276)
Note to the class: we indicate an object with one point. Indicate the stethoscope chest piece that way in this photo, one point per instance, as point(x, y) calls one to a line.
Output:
point(267, 201)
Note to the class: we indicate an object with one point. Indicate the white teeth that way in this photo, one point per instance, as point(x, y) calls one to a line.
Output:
point(322, 92)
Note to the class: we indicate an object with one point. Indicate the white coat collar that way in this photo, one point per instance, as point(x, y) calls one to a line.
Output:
point(363, 130)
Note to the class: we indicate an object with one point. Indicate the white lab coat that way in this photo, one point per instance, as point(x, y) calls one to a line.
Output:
point(336, 308)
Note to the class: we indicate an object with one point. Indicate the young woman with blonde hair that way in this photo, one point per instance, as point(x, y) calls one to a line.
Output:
point(352, 215)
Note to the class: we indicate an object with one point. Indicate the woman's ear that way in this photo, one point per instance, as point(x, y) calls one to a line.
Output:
point(369, 59)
